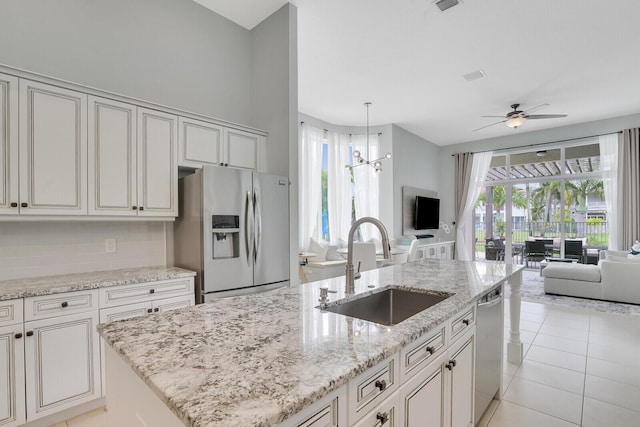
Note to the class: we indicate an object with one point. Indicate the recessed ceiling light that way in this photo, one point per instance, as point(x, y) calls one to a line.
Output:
point(541, 153)
point(446, 4)
point(475, 75)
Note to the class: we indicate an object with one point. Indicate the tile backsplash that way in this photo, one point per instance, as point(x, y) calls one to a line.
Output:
point(32, 249)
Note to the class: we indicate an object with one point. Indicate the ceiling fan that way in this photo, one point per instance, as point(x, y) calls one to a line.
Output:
point(516, 118)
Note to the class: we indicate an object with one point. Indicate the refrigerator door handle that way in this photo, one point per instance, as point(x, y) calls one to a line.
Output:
point(248, 227)
point(258, 222)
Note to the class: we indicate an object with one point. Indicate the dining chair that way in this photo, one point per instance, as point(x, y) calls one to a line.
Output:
point(365, 254)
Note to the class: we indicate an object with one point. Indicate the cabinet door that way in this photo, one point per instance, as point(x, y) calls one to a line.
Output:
point(241, 149)
point(112, 158)
point(12, 410)
point(9, 196)
point(462, 381)
point(157, 163)
point(168, 304)
point(62, 363)
point(199, 143)
point(53, 150)
point(422, 396)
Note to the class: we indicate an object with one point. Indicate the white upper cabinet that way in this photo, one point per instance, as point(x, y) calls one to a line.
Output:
point(53, 150)
point(112, 158)
point(157, 163)
point(9, 197)
point(200, 143)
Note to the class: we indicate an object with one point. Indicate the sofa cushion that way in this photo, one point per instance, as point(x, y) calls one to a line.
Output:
point(622, 259)
point(573, 271)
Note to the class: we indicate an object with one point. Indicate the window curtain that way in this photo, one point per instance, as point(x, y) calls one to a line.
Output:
point(339, 197)
point(310, 190)
point(366, 185)
point(470, 172)
point(629, 181)
point(609, 155)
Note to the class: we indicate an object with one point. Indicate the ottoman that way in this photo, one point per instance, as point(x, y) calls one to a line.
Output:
point(572, 279)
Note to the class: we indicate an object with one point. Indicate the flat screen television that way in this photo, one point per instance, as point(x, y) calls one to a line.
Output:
point(427, 213)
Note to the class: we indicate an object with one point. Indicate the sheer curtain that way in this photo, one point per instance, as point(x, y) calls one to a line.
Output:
point(310, 190)
point(471, 170)
point(366, 184)
point(629, 188)
point(609, 155)
point(339, 186)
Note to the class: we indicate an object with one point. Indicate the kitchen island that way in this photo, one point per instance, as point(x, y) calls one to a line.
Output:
point(257, 360)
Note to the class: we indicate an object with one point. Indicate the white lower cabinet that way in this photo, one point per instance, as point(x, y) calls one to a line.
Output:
point(423, 395)
point(62, 363)
point(12, 404)
point(461, 368)
point(387, 414)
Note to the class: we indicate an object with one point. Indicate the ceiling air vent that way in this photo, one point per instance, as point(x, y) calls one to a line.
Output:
point(479, 74)
point(446, 4)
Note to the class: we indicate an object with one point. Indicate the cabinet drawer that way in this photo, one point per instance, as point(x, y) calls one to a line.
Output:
point(11, 312)
point(463, 322)
point(168, 304)
point(119, 295)
point(372, 387)
point(327, 416)
point(129, 311)
point(385, 415)
point(414, 358)
point(60, 304)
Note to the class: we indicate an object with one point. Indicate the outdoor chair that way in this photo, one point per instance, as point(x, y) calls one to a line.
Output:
point(494, 250)
point(573, 250)
point(535, 251)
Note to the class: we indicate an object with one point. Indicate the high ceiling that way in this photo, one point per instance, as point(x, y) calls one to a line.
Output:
point(408, 59)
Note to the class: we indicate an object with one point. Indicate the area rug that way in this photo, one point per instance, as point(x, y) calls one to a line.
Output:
point(533, 290)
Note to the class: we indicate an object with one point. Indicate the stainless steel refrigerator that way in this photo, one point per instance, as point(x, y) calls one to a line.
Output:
point(233, 230)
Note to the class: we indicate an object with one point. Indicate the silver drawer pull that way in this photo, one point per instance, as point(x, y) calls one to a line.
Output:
point(381, 384)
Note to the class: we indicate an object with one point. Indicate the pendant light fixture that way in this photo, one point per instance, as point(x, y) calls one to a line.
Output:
point(357, 155)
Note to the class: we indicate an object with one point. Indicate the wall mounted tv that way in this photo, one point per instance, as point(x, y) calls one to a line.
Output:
point(427, 213)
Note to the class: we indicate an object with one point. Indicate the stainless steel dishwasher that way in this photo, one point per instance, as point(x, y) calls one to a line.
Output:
point(489, 327)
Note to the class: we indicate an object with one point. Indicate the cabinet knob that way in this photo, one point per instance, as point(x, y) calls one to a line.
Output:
point(383, 417)
point(14, 204)
point(141, 208)
point(381, 384)
point(156, 309)
point(65, 304)
point(18, 336)
point(149, 310)
point(449, 366)
point(465, 321)
point(24, 205)
point(430, 350)
point(152, 291)
point(29, 333)
point(135, 208)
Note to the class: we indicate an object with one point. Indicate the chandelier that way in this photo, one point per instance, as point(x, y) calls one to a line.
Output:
point(357, 155)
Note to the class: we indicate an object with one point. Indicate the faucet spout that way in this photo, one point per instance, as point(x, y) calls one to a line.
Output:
point(350, 286)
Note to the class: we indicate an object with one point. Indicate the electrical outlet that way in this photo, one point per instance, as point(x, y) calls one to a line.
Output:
point(110, 246)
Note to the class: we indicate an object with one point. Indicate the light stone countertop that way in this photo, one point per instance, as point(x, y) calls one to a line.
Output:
point(257, 359)
point(47, 285)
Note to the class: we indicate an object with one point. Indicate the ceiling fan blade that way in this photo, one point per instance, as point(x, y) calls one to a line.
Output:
point(497, 117)
point(546, 116)
point(535, 108)
point(483, 127)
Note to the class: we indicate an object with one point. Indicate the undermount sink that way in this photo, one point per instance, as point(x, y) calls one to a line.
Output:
point(388, 307)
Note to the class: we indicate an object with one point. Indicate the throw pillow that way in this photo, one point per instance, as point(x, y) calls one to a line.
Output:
point(319, 248)
point(332, 254)
point(634, 252)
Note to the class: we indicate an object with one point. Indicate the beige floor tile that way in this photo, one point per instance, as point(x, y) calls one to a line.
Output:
point(60, 424)
point(598, 414)
point(616, 393)
point(563, 379)
point(562, 344)
point(545, 399)
point(628, 341)
point(579, 324)
point(533, 307)
point(561, 359)
point(626, 358)
point(95, 418)
point(611, 370)
point(558, 331)
point(568, 313)
point(512, 415)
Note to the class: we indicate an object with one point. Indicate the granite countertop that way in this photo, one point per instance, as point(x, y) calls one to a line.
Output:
point(47, 285)
point(255, 360)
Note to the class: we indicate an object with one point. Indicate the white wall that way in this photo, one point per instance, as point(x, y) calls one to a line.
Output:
point(416, 164)
point(516, 139)
point(30, 249)
point(172, 52)
point(274, 106)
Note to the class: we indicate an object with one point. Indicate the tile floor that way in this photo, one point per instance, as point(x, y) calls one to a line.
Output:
point(581, 368)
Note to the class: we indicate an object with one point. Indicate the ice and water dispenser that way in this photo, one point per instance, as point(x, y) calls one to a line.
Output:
point(225, 231)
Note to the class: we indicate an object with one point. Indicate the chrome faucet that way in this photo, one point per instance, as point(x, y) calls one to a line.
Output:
point(350, 286)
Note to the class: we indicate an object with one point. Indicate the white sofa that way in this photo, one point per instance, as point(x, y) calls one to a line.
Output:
point(613, 279)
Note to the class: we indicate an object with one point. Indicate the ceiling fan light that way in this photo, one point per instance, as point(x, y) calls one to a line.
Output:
point(515, 122)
